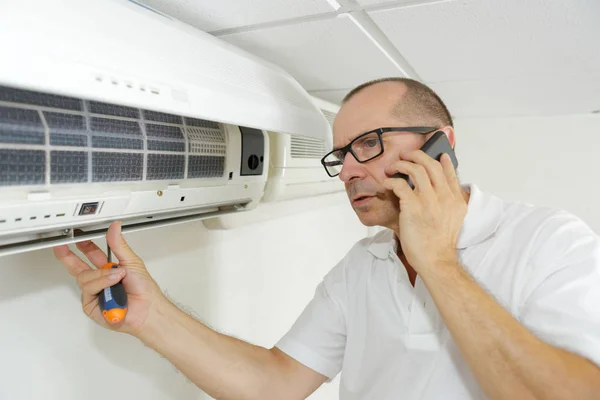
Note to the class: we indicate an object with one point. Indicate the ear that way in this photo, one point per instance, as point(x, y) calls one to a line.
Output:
point(449, 131)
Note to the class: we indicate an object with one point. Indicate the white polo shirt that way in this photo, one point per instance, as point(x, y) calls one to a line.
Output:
point(387, 338)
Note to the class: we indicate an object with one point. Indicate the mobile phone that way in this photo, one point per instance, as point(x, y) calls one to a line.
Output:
point(434, 147)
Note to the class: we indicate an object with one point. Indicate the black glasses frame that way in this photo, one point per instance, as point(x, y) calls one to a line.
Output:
point(424, 130)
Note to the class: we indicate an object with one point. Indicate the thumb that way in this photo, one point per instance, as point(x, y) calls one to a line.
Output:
point(119, 246)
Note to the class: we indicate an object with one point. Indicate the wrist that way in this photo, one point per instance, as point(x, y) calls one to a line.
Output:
point(160, 314)
point(439, 266)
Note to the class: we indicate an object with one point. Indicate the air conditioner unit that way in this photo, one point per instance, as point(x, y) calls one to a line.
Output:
point(112, 111)
point(296, 181)
point(295, 168)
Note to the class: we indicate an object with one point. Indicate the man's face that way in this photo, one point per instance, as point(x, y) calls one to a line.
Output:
point(370, 109)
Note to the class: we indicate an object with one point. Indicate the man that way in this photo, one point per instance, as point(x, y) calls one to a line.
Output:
point(464, 296)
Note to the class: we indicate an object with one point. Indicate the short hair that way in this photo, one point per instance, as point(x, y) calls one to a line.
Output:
point(419, 101)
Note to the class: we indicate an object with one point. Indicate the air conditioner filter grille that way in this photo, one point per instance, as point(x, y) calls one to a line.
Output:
point(47, 139)
point(14, 95)
point(22, 166)
point(68, 167)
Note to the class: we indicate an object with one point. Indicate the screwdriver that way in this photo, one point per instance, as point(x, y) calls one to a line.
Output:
point(113, 299)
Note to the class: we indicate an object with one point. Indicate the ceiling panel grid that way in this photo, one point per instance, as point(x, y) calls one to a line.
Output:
point(323, 54)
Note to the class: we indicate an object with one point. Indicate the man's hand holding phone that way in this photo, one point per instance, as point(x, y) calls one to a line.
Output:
point(431, 214)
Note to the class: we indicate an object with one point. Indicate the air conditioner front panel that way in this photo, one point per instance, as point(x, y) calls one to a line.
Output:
point(43, 215)
point(119, 52)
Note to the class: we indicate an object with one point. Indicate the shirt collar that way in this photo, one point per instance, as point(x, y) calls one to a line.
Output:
point(484, 212)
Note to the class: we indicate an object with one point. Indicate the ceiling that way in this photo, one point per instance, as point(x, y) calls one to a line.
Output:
point(485, 58)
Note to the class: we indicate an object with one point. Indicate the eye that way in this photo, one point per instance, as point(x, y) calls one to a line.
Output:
point(337, 156)
point(340, 154)
point(368, 143)
point(371, 143)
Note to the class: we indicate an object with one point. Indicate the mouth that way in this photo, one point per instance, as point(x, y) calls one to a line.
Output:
point(361, 200)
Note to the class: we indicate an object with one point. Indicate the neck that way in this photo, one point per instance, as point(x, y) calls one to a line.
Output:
point(412, 274)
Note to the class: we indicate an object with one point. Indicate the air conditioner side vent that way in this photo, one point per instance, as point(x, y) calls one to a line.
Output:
point(329, 116)
point(307, 147)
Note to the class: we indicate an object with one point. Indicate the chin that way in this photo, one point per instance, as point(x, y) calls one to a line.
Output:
point(377, 216)
point(368, 218)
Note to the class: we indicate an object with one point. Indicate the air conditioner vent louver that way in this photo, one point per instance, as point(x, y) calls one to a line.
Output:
point(307, 147)
point(47, 139)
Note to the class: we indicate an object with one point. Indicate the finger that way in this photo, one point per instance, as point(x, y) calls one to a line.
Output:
point(450, 173)
point(119, 246)
point(417, 173)
point(72, 262)
point(401, 189)
point(91, 289)
point(93, 253)
point(87, 276)
point(434, 169)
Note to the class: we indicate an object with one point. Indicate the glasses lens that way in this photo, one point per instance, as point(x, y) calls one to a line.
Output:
point(333, 162)
point(367, 147)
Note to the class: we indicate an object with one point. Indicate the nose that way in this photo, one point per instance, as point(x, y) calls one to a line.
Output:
point(351, 169)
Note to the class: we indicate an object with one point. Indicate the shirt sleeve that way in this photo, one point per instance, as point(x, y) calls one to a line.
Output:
point(563, 309)
point(318, 337)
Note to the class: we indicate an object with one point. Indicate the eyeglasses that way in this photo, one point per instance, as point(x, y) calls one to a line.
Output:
point(365, 147)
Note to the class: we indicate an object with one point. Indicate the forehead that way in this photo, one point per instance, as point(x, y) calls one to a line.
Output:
point(371, 108)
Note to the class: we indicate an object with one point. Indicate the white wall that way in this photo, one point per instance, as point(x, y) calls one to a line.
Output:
point(546, 160)
point(245, 283)
point(250, 282)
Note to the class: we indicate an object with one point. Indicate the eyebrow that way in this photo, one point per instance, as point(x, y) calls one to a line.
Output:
point(354, 137)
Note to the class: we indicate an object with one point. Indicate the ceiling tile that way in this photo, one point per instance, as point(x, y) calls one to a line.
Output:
point(483, 39)
point(225, 14)
point(541, 95)
point(367, 3)
point(331, 54)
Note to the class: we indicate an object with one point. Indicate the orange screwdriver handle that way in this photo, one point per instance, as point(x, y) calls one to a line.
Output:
point(113, 300)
